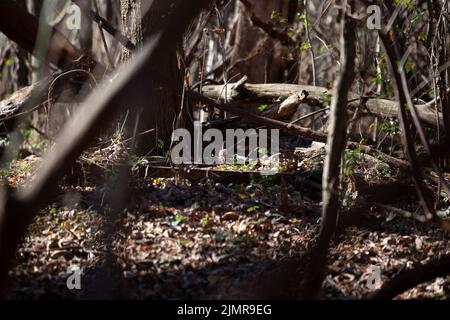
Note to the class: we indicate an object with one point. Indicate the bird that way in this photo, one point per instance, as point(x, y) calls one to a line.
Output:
point(289, 106)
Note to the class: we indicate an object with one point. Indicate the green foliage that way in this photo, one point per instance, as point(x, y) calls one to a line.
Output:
point(304, 45)
point(410, 4)
point(389, 126)
point(205, 220)
point(266, 181)
point(409, 65)
point(253, 208)
point(351, 160)
point(177, 220)
point(160, 146)
point(276, 17)
point(326, 97)
point(263, 107)
point(302, 17)
point(8, 61)
point(443, 213)
point(137, 160)
point(378, 78)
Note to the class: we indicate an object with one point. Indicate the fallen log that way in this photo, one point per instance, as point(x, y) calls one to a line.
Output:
point(439, 267)
point(61, 86)
point(23, 28)
point(293, 129)
point(96, 174)
point(319, 97)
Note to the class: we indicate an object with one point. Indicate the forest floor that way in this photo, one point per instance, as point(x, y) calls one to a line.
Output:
point(185, 240)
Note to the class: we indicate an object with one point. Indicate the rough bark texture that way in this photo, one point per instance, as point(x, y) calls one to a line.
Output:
point(317, 97)
point(164, 91)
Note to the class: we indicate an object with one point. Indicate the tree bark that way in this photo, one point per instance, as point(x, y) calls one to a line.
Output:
point(317, 97)
point(142, 20)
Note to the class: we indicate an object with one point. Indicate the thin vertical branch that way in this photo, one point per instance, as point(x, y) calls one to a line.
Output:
point(308, 37)
point(336, 143)
point(102, 35)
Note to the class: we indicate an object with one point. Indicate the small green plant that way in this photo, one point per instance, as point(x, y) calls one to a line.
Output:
point(389, 126)
point(263, 107)
point(304, 46)
point(253, 208)
point(8, 61)
point(302, 17)
point(237, 187)
point(351, 161)
point(137, 161)
point(178, 219)
point(276, 17)
point(23, 168)
point(266, 181)
point(378, 78)
point(205, 220)
point(326, 97)
point(443, 213)
point(5, 172)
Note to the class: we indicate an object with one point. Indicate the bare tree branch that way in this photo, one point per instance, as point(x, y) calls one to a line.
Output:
point(336, 145)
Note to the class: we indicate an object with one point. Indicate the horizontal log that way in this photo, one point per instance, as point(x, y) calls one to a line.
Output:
point(23, 28)
point(437, 267)
point(61, 86)
point(317, 96)
point(292, 128)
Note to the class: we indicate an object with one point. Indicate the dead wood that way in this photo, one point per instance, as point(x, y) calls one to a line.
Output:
point(61, 86)
point(21, 27)
point(318, 97)
point(439, 267)
point(293, 129)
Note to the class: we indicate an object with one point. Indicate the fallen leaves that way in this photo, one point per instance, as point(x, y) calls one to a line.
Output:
point(193, 240)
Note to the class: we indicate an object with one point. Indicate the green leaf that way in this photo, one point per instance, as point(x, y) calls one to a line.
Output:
point(253, 208)
point(263, 107)
point(177, 219)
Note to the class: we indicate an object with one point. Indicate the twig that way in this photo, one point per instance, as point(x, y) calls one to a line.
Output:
point(108, 27)
point(102, 35)
point(310, 115)
point(295, 129)
point(268, 28)
point(308, 37)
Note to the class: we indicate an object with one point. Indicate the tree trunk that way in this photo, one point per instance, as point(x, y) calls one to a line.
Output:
point(255, 54)
point(163, 91)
